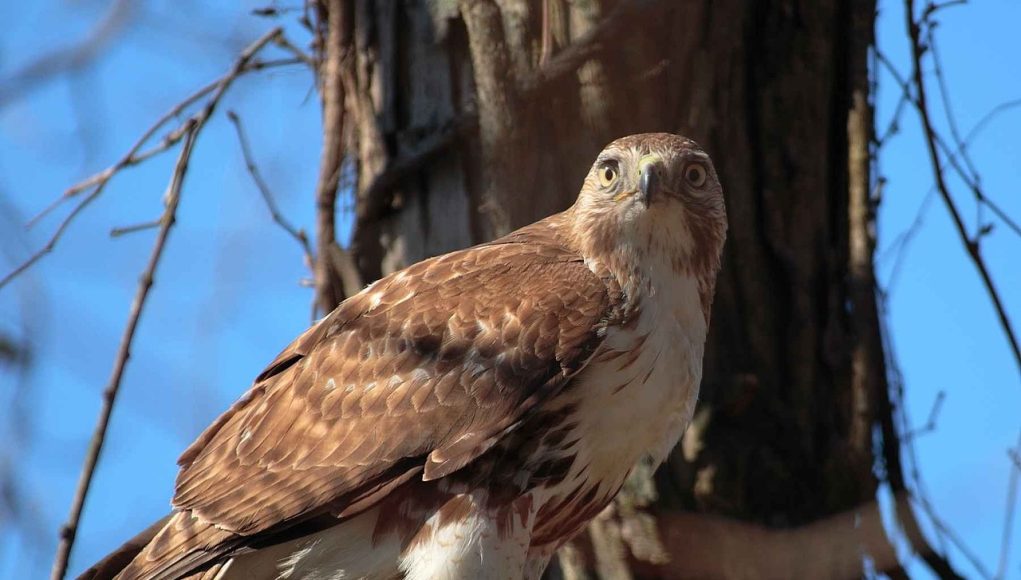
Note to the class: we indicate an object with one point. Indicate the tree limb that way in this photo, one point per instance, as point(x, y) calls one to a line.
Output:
point(376, 201)
point(267, 196)
point(335, 274)
point(69, 530)
point(1008, 518)
point(586, 47)
point(187, 133)
point(97, 183)
point(970, 245)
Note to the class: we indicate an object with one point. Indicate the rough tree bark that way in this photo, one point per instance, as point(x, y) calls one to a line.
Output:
point(472, 117)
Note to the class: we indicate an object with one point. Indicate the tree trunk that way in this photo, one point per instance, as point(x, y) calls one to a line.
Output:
point(474, 117)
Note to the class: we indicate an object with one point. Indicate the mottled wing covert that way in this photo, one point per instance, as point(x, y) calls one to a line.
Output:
point(417, 375)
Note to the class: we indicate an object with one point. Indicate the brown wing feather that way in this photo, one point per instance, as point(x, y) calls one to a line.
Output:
point(420, 373)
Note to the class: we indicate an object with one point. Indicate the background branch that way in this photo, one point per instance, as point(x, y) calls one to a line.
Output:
point(298, 234)
point(188, 132)
point(97, 183)
point(1013, 483)
point(69, 531)
point(971, 245)
point(891, 405)
point(335, 273)
point(602, 36)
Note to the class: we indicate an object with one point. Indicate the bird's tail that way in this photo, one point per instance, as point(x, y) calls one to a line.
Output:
point(113, 563)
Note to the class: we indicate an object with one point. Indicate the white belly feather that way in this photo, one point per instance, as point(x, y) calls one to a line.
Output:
point(631, 407)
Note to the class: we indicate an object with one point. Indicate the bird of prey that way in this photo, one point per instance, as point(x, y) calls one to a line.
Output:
point(466, 416)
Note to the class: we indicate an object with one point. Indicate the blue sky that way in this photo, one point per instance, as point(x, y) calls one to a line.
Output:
point(228, 295)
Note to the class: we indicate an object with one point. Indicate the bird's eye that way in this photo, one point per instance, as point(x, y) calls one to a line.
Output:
point(695, 175)
point(608, 173)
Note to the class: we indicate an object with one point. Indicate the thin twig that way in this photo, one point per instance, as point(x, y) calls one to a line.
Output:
point(190, 131)
point(267, 195)
point(891, 407)
point(967, 172)
point(605, 34)
point(117, 232)
point(964, 144)
point(903, 240)
point(96, 183)
point(274, 11)
point(969, 176)
point(374, 203)
point(134, 156)
point(284, 43)
point(70, 529)
point(930, 424)
point(893, 127)
point(1008, 518)
point(948, 111)
point(933, 7)
point(970, 245)
point(951, 535)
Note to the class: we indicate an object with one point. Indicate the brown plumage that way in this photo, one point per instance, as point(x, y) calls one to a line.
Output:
point(471, 387)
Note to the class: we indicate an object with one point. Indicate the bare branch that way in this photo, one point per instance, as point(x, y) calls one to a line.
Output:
point(70, 529)
point(600, 37)
point(970, 177)
point(930, 424)
point(134, 156)
point(267, 195)
point(890, 405)
point(875, 380)
point(335, 273)
point(944, 93)
point(274, 11)
point(934, 7)
point(903, 241)
point(900, 244)
point(187, 133)
point(956, 540)
point(284, 43)
point(117, 232)
point(970, 245)
point(97, 183)
point(1008, 518)
point(376, 200)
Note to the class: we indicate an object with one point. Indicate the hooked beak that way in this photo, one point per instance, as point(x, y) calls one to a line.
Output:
point(648, 181)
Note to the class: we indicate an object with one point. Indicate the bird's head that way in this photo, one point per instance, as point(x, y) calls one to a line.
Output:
point(654, 195)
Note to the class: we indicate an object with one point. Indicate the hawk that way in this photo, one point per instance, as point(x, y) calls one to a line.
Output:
point(464, 417)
